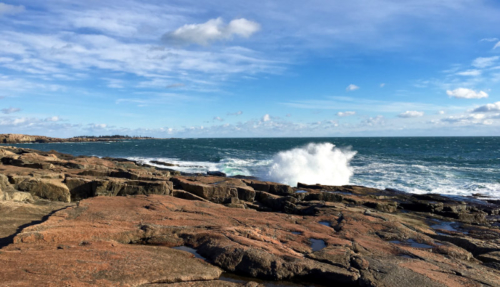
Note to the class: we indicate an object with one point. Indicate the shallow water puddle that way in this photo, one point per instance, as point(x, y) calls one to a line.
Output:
point(448, 226)
point(296, 232)
point(338, 192)
point(325, 223)
point(317, 244)
point(301, 191)
point(190, 250)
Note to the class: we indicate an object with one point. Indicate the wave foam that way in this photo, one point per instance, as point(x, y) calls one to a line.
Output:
point(314, 163)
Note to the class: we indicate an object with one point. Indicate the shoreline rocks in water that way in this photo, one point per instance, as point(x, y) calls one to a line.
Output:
point(86, 221)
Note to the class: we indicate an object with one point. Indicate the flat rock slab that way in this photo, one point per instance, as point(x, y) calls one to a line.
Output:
point(100, 264)
point(15, 216)
point(126, 240)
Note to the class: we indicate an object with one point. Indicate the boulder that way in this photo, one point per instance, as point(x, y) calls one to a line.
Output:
point(107, 187)
point(246, 193)
point(271, 187)
point(491, 257)
point(7, 153)
point(80, 188)
point(275, 202)
point(4, 183)
point(116, 187)
point(51, 189)
point(3, 196)
point(214, 193)
point(135, 187)
point(216, 173)
point(20, 196)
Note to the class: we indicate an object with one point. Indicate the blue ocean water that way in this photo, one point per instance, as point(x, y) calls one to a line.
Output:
point(444, 165)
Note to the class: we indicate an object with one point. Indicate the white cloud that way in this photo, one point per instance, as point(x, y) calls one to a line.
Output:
point(441, 112)
point(463, 93)
point(10, 110)
point(351, 87)
point(211, 31)
point(472, 73)
point(98, 126)
point(484, 62)
point(218, 119)
point(373, 121)
point(497, 45)
point(489, 40)
point(238, 113)
point(382, 85)
point(411, 114)
point(6, 9)
point(495, 107)
point(346, 114)
point(52, 119)
point(266, 118)
point(472, 119)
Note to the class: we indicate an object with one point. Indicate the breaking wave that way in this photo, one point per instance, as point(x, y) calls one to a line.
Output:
point(314, 163)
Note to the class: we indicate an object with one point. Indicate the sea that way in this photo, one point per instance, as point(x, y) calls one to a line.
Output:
point(461, 166)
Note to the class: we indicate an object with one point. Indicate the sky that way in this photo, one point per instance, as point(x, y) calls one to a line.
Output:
point(318, 68)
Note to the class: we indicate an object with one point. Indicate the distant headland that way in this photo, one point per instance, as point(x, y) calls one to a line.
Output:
point(21, 138)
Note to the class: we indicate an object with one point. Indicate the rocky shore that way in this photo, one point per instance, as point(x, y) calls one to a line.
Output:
point(85, 221)
point(20, 138)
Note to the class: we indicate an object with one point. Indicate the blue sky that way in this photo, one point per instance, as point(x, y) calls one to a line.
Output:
point(250, 68)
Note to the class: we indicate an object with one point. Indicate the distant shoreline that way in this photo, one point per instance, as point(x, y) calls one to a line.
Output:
point(24, 139)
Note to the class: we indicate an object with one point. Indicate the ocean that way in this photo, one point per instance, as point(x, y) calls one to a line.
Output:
point(443, 165)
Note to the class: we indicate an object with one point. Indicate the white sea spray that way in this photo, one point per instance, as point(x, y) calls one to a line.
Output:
point(314, 163)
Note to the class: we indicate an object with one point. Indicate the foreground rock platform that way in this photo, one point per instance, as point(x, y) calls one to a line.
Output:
point(82, 221)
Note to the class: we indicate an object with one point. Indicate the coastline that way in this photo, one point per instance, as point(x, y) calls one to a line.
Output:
point(27, 139)
point(352, 235)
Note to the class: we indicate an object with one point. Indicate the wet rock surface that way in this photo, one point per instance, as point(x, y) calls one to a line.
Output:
point(84, 221)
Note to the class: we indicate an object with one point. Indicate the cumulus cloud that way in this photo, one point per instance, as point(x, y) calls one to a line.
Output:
point(495, 107)
point(10, 110)
point(6, 9)
point(218, 119)
point(346, 114)
point(235, 114)
point(441, 112)
point(211, 31)
point(351, 88)
point(266, 118)
point(411, 114)
point(472, 73)
point(485, 62)
point(463, 93)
